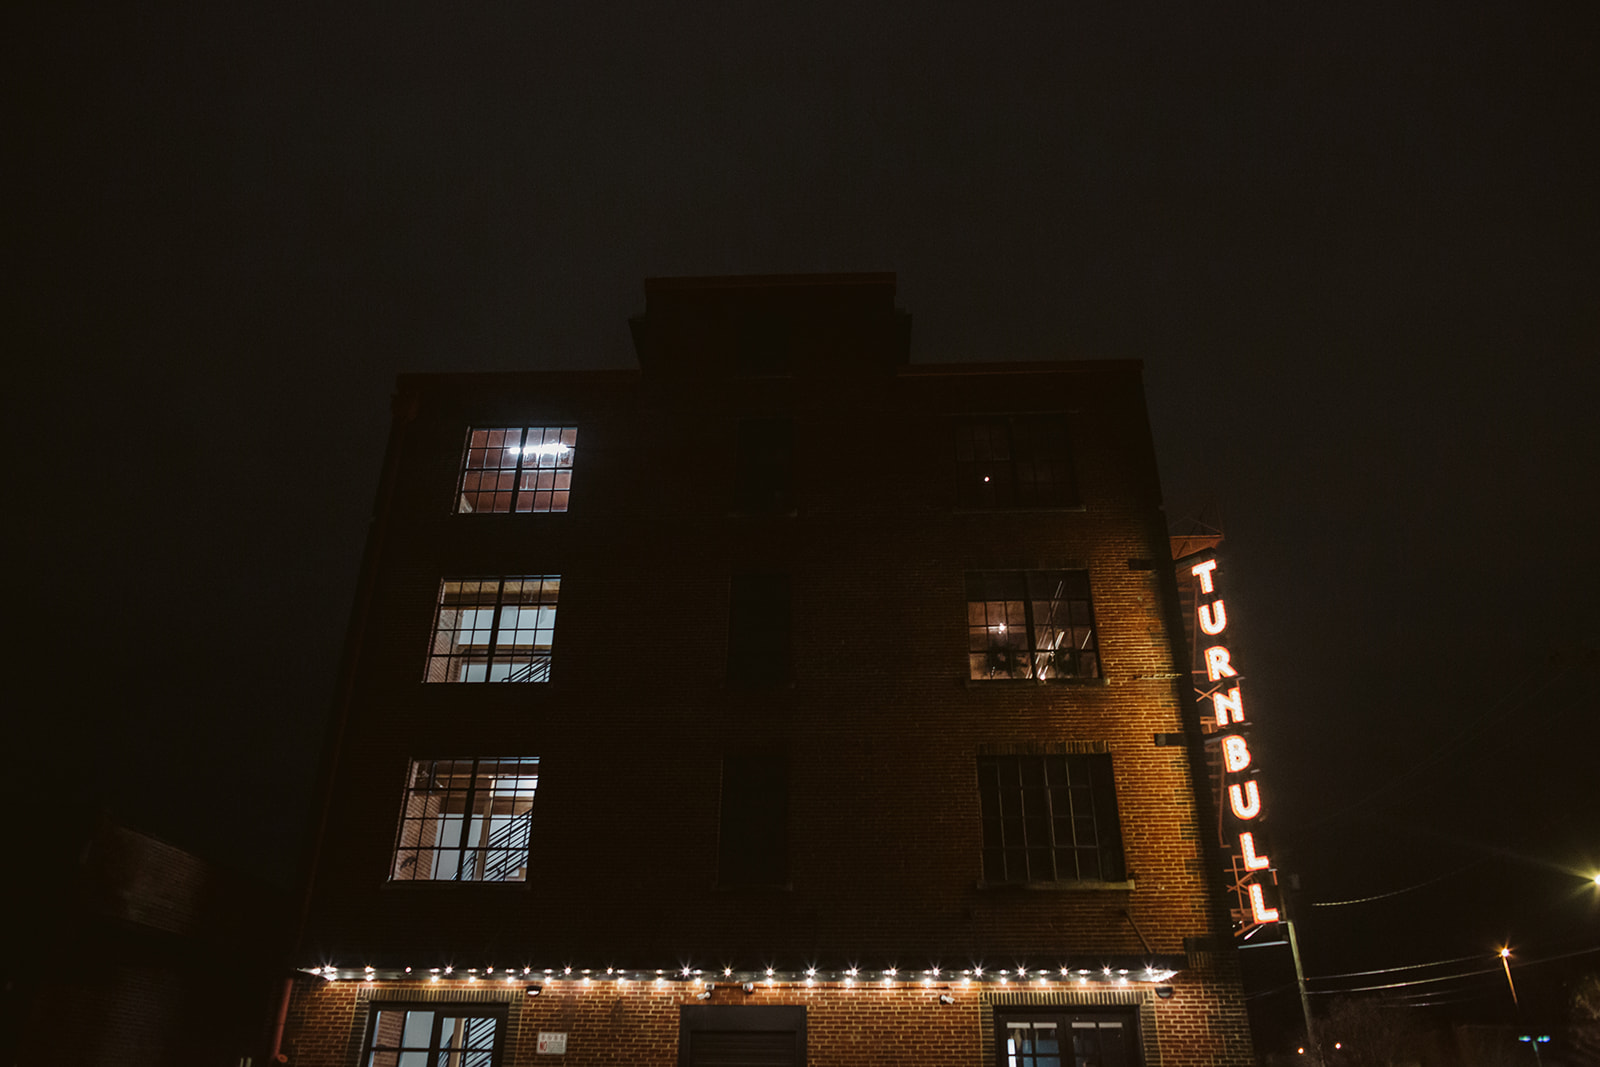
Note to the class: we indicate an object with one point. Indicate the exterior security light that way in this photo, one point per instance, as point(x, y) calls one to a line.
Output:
point(946, 998)
point(1164, 992)
point(535, 990)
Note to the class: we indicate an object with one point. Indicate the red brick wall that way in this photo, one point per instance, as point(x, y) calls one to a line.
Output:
point(881, 726)
point(857, 1027)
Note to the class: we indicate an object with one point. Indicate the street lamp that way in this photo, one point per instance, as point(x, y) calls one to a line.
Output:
point(1535, 1042)
point(1505, 961)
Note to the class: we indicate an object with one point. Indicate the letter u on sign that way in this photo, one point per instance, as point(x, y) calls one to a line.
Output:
point(1245, 800)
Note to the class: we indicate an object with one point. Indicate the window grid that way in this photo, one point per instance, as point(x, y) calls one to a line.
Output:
point(517, 469)
point(1049, 818)
point(494, 629)
point(424, 1037)
point(1014, 461)
point(1064, 1040)
point(1030, 624)
point(466, 820)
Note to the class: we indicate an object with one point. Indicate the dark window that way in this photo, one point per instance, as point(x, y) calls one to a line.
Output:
point(421, 1035)
point(494, 629)
point(758, 629)
point(1030, 624)
point(726, 1036)
point(1050, 818)
point(753, 845)
point(765, 345)
point(1040, 1039)
point(764, 466)
point(466, 820)
point(517, 469)
point(1020, 461)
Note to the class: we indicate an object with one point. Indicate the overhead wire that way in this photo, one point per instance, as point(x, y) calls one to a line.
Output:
point(1397, 892)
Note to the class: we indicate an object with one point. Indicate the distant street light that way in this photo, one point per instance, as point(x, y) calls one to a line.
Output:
point(1505, 961)
point(1535, 1042)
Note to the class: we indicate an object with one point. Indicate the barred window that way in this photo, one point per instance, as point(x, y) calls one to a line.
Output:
point(1017, 461)
point(1050, 818)
point(512, 469)
point(416, 1035)
point(1030, 624)
point(494, 629)
point(466, 820)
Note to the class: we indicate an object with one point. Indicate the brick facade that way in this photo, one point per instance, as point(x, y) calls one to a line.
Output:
point(879, 725)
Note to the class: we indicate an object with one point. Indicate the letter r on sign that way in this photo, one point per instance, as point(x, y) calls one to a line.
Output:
point(1217, 665)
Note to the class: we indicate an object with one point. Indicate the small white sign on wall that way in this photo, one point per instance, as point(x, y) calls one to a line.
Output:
point(552, 1044)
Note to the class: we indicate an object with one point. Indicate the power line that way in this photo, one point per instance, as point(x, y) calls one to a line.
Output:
point(1397, 892)
point(1441, 978)
point(1401, 985)
point(1402, 967)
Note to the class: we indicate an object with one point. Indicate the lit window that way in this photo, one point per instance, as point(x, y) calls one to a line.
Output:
point(1050, 818)
point(494, 629)
point(1030, 624)
point(1038, 1039)
point(414, 1035)
point(517, 469)
point(1017, 461)
point(466, 820)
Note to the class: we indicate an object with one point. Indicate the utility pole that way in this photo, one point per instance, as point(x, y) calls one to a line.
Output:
point(1305, 998)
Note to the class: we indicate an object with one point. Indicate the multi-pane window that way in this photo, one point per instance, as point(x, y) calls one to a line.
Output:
point(1068, 1040)
point(516, 468)
point(1050, 818)
point(494, 629)
point(435, 1035)
point(466, 820)
point(1017, 461)
point(1030, 624)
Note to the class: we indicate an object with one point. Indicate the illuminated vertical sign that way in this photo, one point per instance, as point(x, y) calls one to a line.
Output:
point(1219, 692)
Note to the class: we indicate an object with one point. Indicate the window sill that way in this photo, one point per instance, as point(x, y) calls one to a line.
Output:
point(1022, 509)
point(1057, 887)
point(417, 885)
point(1003, 683)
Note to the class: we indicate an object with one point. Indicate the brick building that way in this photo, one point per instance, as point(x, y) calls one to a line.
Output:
point(779, 702)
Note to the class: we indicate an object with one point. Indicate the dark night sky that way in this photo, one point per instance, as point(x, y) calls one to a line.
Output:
point(1355, 245)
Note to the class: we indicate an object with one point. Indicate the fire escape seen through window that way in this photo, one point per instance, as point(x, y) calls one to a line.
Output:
point(494, 629)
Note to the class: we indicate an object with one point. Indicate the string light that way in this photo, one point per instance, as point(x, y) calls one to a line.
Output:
point(1154, 971)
